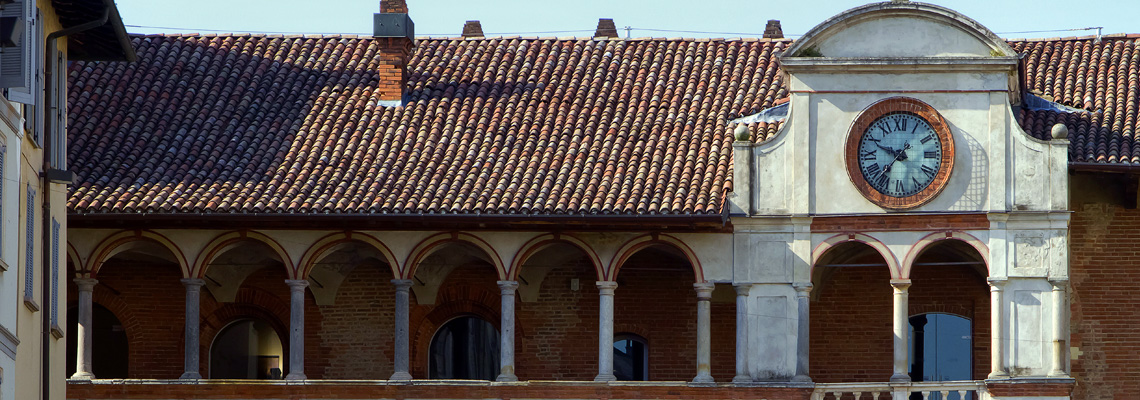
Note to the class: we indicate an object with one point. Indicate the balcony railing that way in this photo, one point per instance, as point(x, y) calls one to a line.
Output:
point(952, 390)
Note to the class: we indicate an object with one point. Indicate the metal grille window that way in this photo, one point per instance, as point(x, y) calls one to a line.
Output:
point(29, 250)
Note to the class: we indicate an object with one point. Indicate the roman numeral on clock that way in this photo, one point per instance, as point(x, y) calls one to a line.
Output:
point(930, 171)
point(900, 124)
point(930, 154)
point(928, 138)
point(872, 170)
point(867, 155)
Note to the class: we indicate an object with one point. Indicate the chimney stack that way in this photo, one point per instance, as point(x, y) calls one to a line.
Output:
point(472, 29)
point(606, 28)
point(773, 31)
point(395, 35)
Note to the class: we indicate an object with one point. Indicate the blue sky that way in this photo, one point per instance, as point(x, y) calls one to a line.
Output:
point(1008, 18)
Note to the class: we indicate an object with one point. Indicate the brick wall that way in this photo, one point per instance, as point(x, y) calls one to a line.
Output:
point(1105, 324)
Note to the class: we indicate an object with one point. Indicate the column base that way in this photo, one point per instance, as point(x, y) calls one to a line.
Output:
point(190, 376)
point(742, 379)
point(900, 378)
point(801, 378)
point(401, 376)
point(84, 376)
point(605, 378)
point(296, 376)
point(998, 375)
point(703, 379)
point(507, 378)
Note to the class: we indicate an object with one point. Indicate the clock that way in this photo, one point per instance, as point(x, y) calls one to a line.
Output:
point(900, 153)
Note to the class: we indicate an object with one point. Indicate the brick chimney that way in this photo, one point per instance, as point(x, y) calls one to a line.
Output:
point(472, 29)
point(773, 31)
point(606, 28)
point(394, 35)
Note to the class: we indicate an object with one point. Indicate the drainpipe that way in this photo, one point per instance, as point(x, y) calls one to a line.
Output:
point(48, 177)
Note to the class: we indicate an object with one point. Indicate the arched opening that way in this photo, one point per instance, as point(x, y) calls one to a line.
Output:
point(631, 357)
point(454, 281)
point(351, 283)
point(465, 348)
point(949, 293)
point(655, 298)
point(558, 298)
point(852, 296)
point(940, 348)
point(135, 275)
point(247, 349)
point(109, 355)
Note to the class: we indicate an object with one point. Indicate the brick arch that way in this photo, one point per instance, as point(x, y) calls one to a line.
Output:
point(228, 240)
point(428, 246)
point(330, 243)
point(75, 261)
point(930, 240)
point(876, 244)
point(250, 303)
point(541, 242)
point(654, 239)
point(112, 245)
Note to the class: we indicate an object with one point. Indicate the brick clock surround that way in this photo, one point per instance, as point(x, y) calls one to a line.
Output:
point(803, 282)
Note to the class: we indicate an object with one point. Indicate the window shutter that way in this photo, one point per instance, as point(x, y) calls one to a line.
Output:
point(55, 272)
point(59, 123)
point(17, 65)
point(35, 117)
point(29, 252)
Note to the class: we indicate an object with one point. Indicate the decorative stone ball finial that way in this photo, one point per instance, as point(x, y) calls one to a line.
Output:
point(1060, 131)
point(741, 133)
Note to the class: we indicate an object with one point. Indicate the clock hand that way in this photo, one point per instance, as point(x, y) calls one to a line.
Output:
point(901, 152)
point(888, 149)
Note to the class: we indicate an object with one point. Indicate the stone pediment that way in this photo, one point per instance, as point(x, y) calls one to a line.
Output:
point(899, 30)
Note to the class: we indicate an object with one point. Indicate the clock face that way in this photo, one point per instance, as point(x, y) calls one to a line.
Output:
point(900, 154)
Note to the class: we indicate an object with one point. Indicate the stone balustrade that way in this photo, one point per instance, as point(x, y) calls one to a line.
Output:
point(951, 390)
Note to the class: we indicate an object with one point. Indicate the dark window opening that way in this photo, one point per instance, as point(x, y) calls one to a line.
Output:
point(109, 357)
point(465, 348)
point(246, 349)
point(941, 349)
point(631, 358)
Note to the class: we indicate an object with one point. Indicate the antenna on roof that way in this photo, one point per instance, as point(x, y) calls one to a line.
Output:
point(627, 29)
point(1098, 31)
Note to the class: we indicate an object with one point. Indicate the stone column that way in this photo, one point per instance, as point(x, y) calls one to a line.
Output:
point(296, 328)
point(606, 331)
point(803, 331)
point(742, 375)
point(1060, 339)
point(900, 327)
point(997, 331)
point(704, 332)
point(507, 337)
point(84, 330)
point(403, 304)
point(193, 315)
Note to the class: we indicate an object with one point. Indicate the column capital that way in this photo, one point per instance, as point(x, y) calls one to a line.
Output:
point(297, 285)
point(802, 288)
point(607, 287)
point(193, 284)
point(900, 285)
point(997, 284)
point(403, 284)
point(1059, 284)
point(704, 290)
point(86, 284)
point(508, 285)
point(742, 289)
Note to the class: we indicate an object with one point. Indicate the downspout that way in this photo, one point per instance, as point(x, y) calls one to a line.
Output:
point(47, 177)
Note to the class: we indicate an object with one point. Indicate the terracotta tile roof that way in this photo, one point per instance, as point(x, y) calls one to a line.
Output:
point(518, 126)
point(273, 124)
point(1102, 78)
